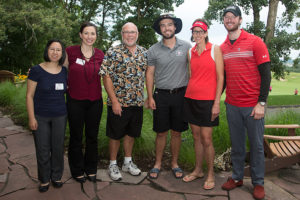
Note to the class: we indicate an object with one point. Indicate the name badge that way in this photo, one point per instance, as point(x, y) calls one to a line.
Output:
point(179, 53)
point(59, 86)
point(80, 61)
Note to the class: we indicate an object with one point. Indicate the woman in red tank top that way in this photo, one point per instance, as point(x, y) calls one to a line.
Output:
point(202, 99)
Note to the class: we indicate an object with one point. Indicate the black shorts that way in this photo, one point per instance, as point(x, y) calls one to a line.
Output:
point(130, 122)
point(169, 110)
point(198, 112)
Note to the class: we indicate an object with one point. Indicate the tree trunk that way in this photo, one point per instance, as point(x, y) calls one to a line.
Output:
point(273, 6)
point(256, 18)
point(102, 25)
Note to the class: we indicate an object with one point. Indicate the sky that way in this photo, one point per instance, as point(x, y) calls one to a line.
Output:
point(192, 9)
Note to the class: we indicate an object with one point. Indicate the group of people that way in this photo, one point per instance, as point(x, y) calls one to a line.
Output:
point(184, 86)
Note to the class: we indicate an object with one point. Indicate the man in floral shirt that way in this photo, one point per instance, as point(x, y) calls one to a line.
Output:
point(123, 72)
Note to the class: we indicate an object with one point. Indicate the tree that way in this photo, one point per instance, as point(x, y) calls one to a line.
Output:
point(279, 41)
point(143, 13)
point(27, 27)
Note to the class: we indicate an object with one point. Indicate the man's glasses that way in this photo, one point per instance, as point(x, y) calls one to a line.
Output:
point(230, 18)
point(129, 32)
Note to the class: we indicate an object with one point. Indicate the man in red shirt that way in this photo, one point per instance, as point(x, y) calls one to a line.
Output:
point(247, 69)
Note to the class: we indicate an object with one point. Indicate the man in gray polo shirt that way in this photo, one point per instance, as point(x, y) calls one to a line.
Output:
point(168, 69)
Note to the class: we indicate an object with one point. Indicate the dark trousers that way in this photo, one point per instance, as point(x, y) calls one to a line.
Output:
point(83, 115)
point(49, 145)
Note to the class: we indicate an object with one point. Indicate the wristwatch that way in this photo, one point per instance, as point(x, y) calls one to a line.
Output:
point(262, 103)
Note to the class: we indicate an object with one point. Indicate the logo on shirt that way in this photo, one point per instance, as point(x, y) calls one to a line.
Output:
point(264, 56)
point(179, 53)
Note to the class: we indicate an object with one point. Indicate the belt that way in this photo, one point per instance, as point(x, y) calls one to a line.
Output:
point(172, 91)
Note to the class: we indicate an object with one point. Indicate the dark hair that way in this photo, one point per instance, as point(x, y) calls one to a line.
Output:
point(63, 56)
point(87, 24)
point(200, 20)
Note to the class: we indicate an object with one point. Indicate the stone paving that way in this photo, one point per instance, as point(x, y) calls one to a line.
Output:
point(18, 179)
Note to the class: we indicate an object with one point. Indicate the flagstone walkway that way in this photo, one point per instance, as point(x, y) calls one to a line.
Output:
point(18, 179)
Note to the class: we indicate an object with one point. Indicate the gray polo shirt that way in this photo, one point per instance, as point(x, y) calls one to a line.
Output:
point(171, 65)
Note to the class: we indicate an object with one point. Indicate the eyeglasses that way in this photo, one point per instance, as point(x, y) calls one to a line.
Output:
point(129, 32)
point(54, 50)
point(198, 32)
point(230, 17)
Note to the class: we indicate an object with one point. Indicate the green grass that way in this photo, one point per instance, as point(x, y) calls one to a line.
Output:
point(286, 86)
point(282, 100)
point(13, 99)
point(286, 117)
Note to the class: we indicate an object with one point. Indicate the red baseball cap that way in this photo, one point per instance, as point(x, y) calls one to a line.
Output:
point(200, 24)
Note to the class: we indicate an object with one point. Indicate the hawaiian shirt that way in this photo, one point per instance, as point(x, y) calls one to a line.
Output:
point(127, 73)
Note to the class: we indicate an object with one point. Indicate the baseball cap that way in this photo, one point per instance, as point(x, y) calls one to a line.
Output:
point(233, 9)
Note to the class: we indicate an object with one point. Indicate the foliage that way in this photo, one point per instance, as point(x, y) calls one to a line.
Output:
point(279, 42)
point(13, 99)
point(7, 92)
point(27, 27)
point(143, 13)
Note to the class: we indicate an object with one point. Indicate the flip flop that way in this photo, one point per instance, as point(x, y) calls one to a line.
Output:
point(192, 177)
point(209, 185)
point(154, 171)
point(177, 170)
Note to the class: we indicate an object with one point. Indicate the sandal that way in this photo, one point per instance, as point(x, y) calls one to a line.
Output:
point(154, 171)
point(192, 177)
point(177, 170)
point(209, 185)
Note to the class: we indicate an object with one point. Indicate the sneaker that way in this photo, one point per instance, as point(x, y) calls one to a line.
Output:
point(131, 168)
point(231, 184)
point(258, 192)
point(114, 173)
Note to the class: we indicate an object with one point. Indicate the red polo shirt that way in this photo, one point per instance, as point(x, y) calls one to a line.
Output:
point(84, 82)
point(241, 60)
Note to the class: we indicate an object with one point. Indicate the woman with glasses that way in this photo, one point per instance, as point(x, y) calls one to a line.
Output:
point(47, 113)
point(202, 99)
point(84, 103)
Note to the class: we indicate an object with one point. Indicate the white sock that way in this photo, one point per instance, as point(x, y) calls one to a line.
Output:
point(112, 162)
point(127, 160)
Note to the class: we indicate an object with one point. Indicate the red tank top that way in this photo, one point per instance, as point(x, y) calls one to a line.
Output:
point(203, 81)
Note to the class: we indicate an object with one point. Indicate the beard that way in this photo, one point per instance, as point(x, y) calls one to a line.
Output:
point(166, 37)
point(232, 29)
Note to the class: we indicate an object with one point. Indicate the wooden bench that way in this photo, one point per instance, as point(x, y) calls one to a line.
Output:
point(280, 151)
point(6, 76)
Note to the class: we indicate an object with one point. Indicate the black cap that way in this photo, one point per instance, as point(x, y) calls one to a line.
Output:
point(233, 9)
point(177, 23)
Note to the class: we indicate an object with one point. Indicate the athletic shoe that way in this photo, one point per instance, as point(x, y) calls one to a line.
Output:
point(131, 168)
point(114, 172)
